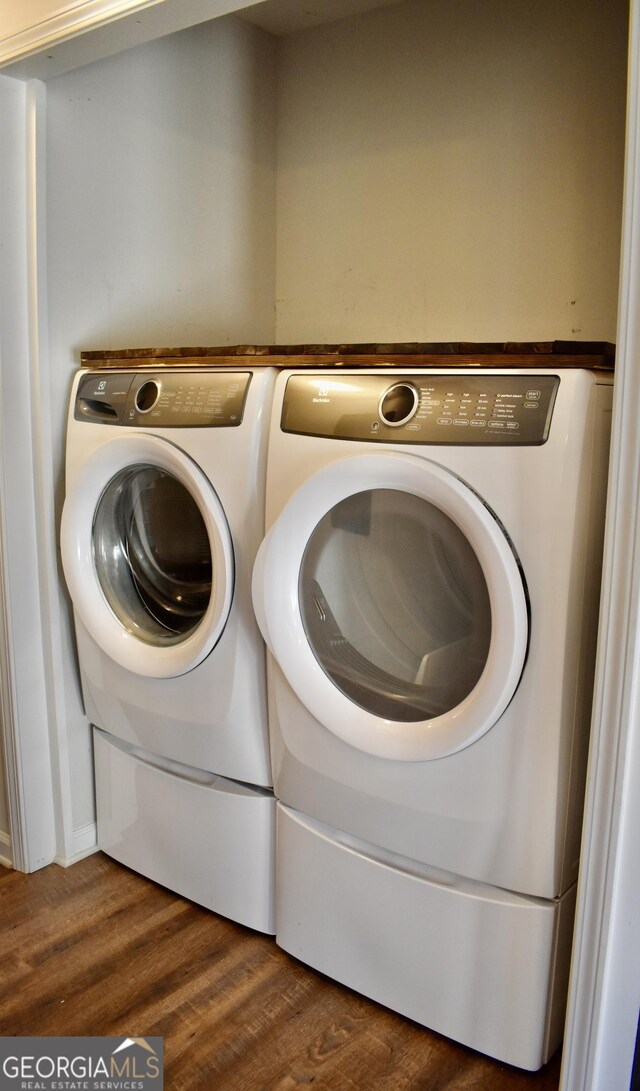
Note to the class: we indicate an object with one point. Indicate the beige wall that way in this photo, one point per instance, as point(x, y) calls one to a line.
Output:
point(452, 171)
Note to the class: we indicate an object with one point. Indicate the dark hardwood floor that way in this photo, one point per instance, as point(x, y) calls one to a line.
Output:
point(97, 950)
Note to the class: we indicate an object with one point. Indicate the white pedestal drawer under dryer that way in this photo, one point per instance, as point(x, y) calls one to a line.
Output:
point(428, 588)
point(163, 515)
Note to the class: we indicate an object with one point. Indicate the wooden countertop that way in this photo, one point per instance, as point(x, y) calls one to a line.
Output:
point(510, 354)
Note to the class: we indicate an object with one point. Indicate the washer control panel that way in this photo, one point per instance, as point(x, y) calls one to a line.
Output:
point(171, 399)
point(467, 408)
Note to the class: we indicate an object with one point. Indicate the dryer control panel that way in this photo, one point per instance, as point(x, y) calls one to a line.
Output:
point(163, 399)
point(470, 408)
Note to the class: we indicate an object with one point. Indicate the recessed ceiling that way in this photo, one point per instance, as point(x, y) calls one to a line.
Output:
point(282, 17)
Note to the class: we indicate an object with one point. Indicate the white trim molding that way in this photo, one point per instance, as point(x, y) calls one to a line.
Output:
point(22, 657)
point(6, 852)
point(92, 29)
point(605, 978)
point(85, 842)
point(67, 22)
point(43, 481)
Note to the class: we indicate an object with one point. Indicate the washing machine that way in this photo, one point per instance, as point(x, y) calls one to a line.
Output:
point(163, 514)
point(428, 590)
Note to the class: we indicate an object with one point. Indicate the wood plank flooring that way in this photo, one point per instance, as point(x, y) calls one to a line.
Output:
point(95, 949)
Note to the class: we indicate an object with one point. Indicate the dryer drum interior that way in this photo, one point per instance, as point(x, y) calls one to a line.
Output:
point(395, 605)
point(152, 554)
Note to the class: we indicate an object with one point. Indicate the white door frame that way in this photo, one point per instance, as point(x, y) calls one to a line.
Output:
point(605, 977)
point(24, 631)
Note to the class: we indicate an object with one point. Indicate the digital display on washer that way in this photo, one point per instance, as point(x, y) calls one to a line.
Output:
point(164, 399)
point(462, 409)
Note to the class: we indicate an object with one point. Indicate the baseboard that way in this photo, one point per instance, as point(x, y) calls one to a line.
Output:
point(6, 855)
point(85, 841)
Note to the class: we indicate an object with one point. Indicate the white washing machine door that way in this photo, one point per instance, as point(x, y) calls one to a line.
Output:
point(147, 555)
point(393, 601)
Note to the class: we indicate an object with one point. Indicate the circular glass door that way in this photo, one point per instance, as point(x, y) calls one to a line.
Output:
point(395, 606)
point(152, 554)
point(147, 555)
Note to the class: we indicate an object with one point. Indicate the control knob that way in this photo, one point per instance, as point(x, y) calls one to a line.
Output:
point(398, 404)
point(147, 396)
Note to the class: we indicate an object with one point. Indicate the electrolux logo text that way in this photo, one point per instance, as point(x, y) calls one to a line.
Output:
point(81, 1064)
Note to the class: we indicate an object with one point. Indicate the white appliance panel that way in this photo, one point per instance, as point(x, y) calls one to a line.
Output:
point(465, 959)
point(207, 838)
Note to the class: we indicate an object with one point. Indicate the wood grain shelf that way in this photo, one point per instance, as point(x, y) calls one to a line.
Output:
point(554, 354)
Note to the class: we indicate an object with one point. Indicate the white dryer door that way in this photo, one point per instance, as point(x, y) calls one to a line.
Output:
point(147, 555)
point(393, 601)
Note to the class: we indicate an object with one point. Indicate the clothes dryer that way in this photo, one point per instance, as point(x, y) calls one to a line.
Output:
point(163, 514)
point(428, 589)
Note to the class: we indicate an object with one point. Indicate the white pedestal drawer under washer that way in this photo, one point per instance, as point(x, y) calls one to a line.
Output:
point(162, 519)
point(428, 589)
